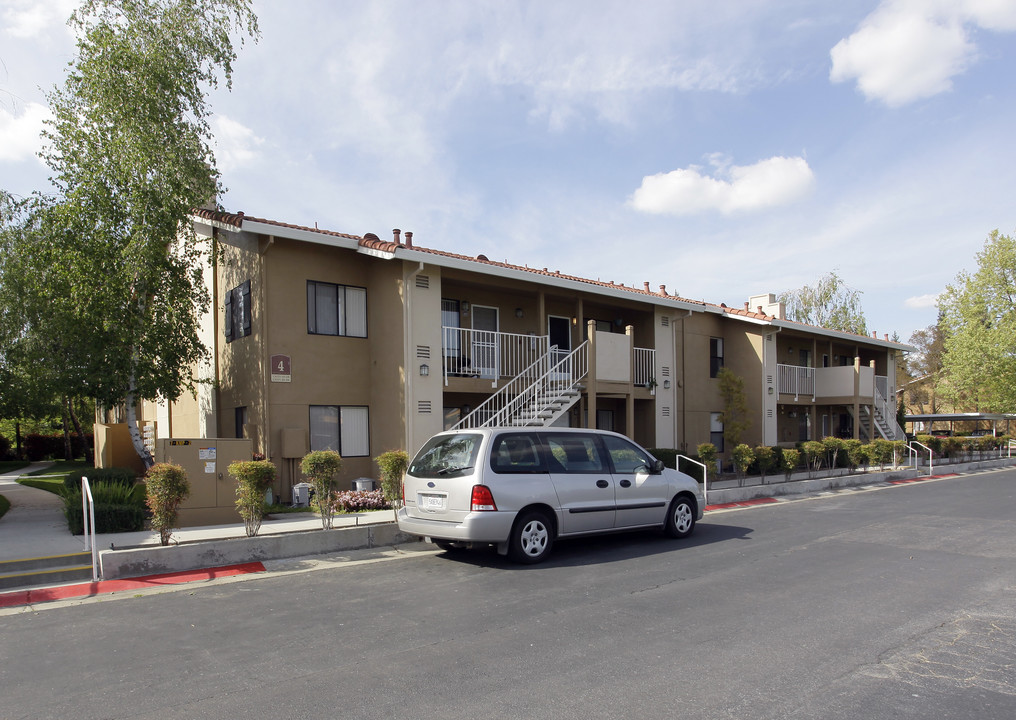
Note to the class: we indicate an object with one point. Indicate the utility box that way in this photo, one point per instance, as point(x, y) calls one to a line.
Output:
point(212, 499)
point(301, 494)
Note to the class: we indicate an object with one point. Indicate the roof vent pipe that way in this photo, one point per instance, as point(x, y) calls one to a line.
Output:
point(663, 289)
point(746, 307)
point(409, 239)
point(397, 233)
point(646, 285)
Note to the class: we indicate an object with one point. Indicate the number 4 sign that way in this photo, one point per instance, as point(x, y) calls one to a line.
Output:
point(282, 368)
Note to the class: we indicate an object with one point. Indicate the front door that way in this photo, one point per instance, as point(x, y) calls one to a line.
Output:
point(485, 341)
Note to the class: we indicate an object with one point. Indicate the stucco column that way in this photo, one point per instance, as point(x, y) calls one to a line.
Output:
point(591, 378)
point(857, 398)
point(629, 396)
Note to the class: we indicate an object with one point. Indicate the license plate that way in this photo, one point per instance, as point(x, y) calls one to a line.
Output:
point(432, 502)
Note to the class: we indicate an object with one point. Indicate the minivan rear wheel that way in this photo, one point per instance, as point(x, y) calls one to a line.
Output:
point(532, 538)
point(680, 518)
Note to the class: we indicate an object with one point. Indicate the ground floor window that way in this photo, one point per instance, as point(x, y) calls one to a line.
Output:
point(716, 430)
point(342, 428)
point(241, 418)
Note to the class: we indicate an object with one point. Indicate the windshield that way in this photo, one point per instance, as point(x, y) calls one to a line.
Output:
point(446, 456)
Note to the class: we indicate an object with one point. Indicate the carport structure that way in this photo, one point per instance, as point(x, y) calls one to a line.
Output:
point(927, 422)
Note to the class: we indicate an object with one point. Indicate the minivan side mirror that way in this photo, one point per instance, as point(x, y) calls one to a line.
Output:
point(657, 467)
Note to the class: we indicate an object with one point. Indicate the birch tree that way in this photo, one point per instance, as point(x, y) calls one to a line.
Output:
point(130, 147)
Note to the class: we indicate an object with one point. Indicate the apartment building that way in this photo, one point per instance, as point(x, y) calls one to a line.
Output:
point(329, 340)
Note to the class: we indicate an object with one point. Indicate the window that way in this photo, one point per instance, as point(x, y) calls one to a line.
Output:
point(344, 429)
point(336, 309)
point(626, 457)
point(574, 453)
point(715, 356)
point(237, 324)
point(716, 430)
point(241, 419)
point(516, 453)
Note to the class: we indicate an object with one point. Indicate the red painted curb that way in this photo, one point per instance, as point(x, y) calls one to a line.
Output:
point(743, 503)
point(37, 595)
point(922, 479)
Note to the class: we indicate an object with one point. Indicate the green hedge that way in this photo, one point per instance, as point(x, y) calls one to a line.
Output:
point(123, 476)
point(118, 508)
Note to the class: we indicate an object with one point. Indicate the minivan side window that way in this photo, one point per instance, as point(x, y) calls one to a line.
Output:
point(625, 457)
point(574, 453)
point(516, 453)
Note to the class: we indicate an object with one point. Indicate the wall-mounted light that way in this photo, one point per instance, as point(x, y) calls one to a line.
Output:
point(666, 384)
point(619, 321)
point(770, 391)
point(425, 370)
point(519, 313)
point(465, 306)
point(574, 320)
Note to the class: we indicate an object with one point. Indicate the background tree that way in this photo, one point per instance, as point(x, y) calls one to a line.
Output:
point(829, 304)
point(129, 145)
point(925, 368)
point(979, 321)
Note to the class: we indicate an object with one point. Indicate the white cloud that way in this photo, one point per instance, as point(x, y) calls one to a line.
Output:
point(768, 183)
point(235, 143)
point(22, 133)
point(911, 49)
point(31, 18)
point(921, 301)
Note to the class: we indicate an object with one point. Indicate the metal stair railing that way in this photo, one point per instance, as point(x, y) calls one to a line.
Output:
point(885, 415)
point(551, 384)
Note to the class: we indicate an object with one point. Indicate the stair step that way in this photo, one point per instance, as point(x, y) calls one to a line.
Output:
point(50, 576)
point(41, 563)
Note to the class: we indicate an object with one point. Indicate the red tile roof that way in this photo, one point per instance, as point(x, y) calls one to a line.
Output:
point(373, 242)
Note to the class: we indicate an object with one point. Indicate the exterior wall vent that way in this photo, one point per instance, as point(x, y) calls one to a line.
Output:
point(423, 282)
point(664, 371)
point(423, 351)
point(423, 407)
point(665, 411)
point(665, 321)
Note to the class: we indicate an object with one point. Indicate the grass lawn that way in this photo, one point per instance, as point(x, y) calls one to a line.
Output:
point(49, 484)
point(5, 505)
point(61, 468)
point(9, 466)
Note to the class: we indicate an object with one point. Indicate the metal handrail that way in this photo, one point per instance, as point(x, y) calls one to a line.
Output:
point(88, 519)
point(549, 385)
point(488, 354)
point(644, 366)
point(705, 477)
point(931, 456)
point(888, 414)
point(796, 380)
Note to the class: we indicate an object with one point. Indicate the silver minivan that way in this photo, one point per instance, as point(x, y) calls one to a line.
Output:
point(520, 488)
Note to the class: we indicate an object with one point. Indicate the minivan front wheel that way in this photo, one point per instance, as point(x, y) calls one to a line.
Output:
point(680, 518)
point(532, 538)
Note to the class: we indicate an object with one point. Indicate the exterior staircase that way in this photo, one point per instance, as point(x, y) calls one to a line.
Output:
point(52, 570)
point(538, 396)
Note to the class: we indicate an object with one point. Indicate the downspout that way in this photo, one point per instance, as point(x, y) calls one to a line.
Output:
point(407, 333)
point(266, 435)
point(683, 444)
point(776, 382)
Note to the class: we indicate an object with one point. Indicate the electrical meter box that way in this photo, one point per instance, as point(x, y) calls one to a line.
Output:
point(212, 499)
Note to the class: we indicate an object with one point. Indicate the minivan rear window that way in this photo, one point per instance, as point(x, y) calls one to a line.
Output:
point(446, 456)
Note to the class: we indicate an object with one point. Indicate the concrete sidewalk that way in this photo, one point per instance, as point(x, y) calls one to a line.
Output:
point(35, 525)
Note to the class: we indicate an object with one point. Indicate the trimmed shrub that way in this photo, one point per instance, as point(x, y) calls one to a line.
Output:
point(5, 449)
point(393, 465)
point(707, 454)
point(743, 456)
point(40, 447)
point(833, 446)
point(119, 507)
point(813, 451)
point(789, 460)
point(167, 487)
point(321, 467)
point(253, 478)
point(765, 460)
point(856, 456)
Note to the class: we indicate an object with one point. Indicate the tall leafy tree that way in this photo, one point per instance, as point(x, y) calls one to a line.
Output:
point(130, 146)
point(830, 304)
point(979, 318)
point(924, 368)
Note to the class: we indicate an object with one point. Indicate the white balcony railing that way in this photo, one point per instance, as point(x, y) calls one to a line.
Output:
point(644, 362)
point(489, 354)
point(795, 380)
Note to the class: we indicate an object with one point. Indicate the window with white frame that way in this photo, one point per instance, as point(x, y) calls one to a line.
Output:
point(715, 356)
point(716, 430)
point(336, 309)
point(342, 428)
point(238, 317)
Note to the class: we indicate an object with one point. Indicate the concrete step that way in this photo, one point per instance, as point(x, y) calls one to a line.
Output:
point(50, 570)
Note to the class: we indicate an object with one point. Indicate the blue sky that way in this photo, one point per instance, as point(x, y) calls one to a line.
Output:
point(720, 148)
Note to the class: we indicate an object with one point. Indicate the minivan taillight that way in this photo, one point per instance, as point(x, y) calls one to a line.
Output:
point(482, 499)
